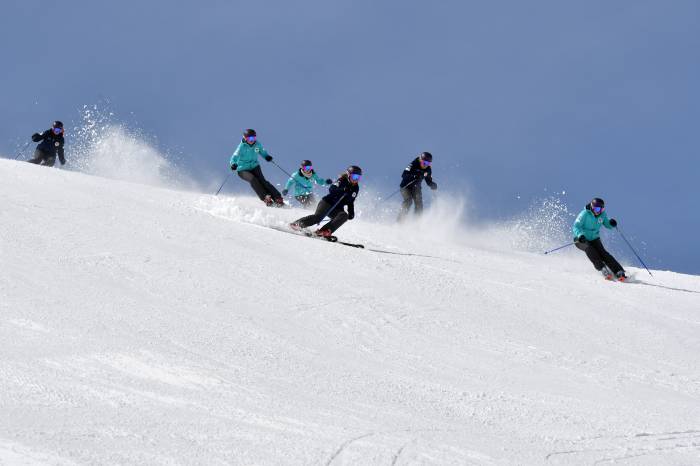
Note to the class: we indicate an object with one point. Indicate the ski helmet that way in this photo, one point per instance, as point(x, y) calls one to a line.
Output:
point(597, 205)
point(427, 156)
point(306, 163)
point(57, 124)
point(354, 173)
point(249, 132)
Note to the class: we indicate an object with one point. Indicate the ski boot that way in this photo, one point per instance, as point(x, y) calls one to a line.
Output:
point(621, 276)
point(323, 232)
point(268, 200)
point(607, 274)
point(279, 202)
point(295, 226)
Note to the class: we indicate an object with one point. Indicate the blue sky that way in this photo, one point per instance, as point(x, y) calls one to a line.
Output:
point(513, 98)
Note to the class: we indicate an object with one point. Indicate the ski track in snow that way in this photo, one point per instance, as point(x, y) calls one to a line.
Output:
point(140, 325)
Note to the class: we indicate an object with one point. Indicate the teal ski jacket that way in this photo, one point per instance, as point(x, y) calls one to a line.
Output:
point(246, 156)
point(588, 225)
point(303, 185)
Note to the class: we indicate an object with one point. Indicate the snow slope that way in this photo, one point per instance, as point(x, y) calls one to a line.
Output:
point(140, 325)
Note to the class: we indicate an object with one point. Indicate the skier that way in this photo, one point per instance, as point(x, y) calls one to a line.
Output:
point(340, 194)
point(245, 161)
point(587, 238)
point(51, 145)
point(302, 178)
point(418, 170)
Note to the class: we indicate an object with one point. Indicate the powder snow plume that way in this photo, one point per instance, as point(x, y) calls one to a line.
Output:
point(100, 146)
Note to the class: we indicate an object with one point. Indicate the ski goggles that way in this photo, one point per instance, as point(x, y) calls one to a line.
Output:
point(250, 138)
point(426, 163)
point(307, 168)
point(597, 209)
point(355, 177)
point(57, 130)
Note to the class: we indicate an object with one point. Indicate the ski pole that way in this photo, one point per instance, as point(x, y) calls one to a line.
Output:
point(331, 209)
point(397, 191)
point(222, 184)
point(283, 170)
point(635, 252)
point(22, 150)
point(560, 247)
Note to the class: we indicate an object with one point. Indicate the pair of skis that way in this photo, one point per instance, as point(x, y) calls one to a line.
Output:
point(330, 239)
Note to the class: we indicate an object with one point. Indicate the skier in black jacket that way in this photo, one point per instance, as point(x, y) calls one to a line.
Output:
point(51, 145)
point(418, 170)
point(340, 194)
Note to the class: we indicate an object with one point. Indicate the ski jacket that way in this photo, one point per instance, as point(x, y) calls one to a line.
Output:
point(345, 192)
point(246, 156)
point(415, 172)
point(51, 144)
point(588, 225)
point(302, 184)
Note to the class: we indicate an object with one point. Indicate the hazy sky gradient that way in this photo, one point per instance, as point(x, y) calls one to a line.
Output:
point(513, 98)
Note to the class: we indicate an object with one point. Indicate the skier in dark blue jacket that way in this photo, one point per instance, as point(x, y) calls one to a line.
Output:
point(412, 176)
point(50, 145)
point(340, 194)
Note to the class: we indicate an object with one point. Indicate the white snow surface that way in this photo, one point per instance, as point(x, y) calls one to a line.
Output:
point(141, 325)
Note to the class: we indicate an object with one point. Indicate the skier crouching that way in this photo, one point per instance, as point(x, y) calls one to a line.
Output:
point(419, 169)
point(586, 230)
point(244, 161)
point(340, 194)
point(302, 180)
point(52, 142)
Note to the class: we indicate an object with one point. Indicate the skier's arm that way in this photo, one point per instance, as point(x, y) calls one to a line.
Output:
point(235, 156)
point(606, 221)
point(428, 175)
point(36, 137)
point(263, 153)
point(61, 154)
point(577, 228)
point(289, 183)
point(318, 180)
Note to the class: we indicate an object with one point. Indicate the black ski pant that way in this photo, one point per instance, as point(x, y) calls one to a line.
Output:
point(599, 256)
point(411, 194)
point(260, 185)
point(338, 217)
point(41, 157)
point(305, 199)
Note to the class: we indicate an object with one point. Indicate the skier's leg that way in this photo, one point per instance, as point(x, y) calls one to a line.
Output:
point(269, 188)
point(609, 260)
point(417, 198)
point(337, 221)
point(50, 161)
point(406, 204)
point(38, 157)
point(592, 253)
point(248, 176)
point(317, 217)
point(306, 200)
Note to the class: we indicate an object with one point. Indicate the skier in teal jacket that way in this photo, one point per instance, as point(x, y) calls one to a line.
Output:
point(244, 161)
point(586, 231)
point(302, 180)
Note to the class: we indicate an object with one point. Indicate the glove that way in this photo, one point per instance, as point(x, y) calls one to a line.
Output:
point(36, 137)
point(63, 161)
point(329, 181)
point(234, 166)
point(581, 239)
point(613, 222)
point(351, 215)
point(285, 192)
point(433, 186)
point(268, 158)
